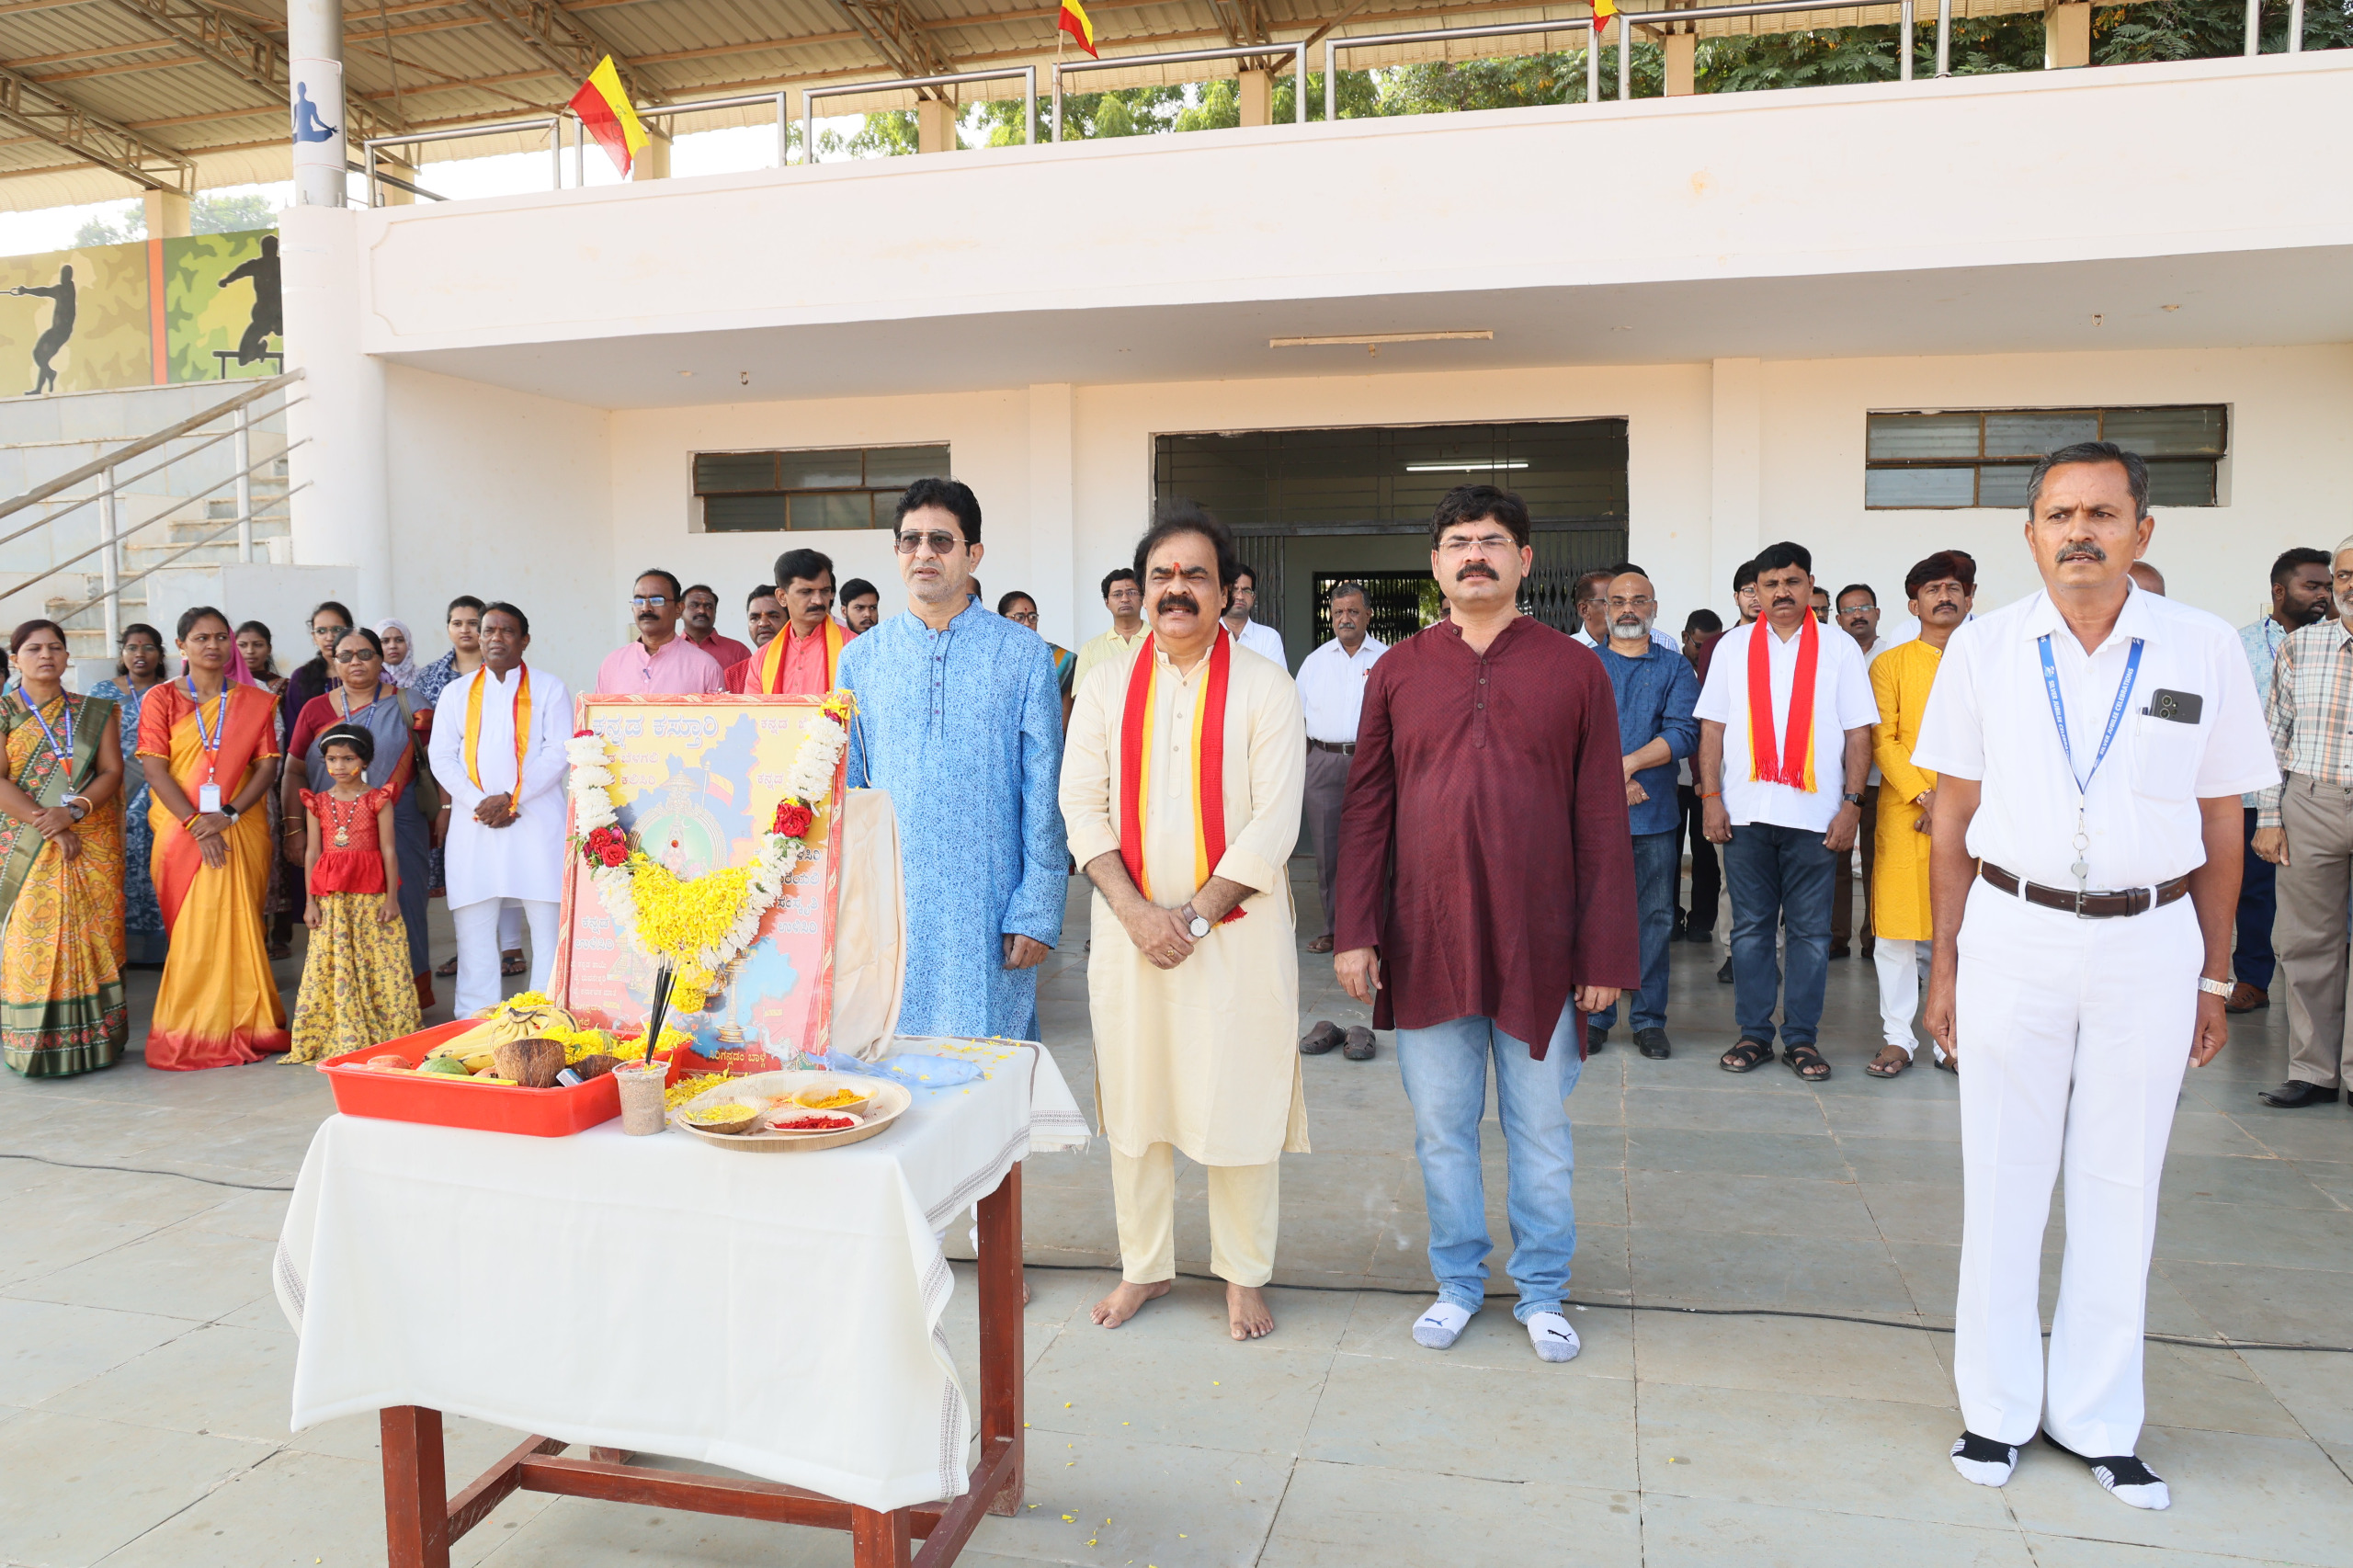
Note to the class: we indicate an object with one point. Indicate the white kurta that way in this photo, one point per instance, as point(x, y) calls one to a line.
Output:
point(1202, 1056)
point(525, 858)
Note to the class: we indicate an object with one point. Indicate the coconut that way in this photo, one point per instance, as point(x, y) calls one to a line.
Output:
point(532, 1062)
point(594, 1066)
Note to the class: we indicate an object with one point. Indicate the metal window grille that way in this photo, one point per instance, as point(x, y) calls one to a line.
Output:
point(1958, 457)
point(807, 490)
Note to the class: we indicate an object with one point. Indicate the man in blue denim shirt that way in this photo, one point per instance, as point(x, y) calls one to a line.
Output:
point(1656, 691)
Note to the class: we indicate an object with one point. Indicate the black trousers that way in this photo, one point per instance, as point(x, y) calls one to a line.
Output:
point(1707, 873)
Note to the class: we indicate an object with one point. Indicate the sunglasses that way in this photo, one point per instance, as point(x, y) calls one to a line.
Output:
point(360, 657)
point(938, 543)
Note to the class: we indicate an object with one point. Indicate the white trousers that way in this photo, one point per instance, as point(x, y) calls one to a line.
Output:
point(1901, 966)
point(510, 926)
point(2074, 1037)
point(479, 940)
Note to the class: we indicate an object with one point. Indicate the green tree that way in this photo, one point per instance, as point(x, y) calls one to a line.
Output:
point(129, 224)
point(209, 214)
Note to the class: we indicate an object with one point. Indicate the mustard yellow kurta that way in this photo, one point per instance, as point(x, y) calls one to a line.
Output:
point(1202, 1056)
point(1900, 680)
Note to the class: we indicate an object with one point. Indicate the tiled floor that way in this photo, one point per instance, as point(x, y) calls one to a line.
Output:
point(1725, 1409)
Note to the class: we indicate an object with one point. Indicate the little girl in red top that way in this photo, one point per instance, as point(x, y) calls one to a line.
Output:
point(357, 990)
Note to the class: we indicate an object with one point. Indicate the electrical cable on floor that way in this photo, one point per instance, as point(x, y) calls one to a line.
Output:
point(2183, 1340)
point(141, 1170)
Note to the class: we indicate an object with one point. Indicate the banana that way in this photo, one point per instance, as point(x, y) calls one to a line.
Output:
point(504, 1026)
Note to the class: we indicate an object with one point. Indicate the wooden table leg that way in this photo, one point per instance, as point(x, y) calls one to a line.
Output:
point(416, 1489)
point(1002, 1357)
point(879, 1540)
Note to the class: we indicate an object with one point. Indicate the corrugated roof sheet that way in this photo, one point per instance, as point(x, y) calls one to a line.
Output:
point(441, 63)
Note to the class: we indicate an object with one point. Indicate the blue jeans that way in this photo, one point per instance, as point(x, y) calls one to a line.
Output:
point(1776, 875)
point(1445, 1068)
point(2258, 905)
point(1658, 867)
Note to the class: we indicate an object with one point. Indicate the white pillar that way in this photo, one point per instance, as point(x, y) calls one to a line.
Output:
point(1736, 476)
point(166, 214)
point(2067, 36)
point(653, 160)
point(1053, 554)
point(315, 95)
point(1258, 95)
point(935, 126)
point(340, 507)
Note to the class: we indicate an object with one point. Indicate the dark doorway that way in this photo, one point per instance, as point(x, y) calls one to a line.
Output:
point(1312, 507)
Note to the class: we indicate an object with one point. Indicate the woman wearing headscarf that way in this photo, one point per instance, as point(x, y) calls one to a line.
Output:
point(363, 696)
point(139, 672)
point(60, 868)
point(400, 651)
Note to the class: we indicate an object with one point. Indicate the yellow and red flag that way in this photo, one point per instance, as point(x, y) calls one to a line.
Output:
point(1074, 21)
point(1602, 11)
point(604, 109)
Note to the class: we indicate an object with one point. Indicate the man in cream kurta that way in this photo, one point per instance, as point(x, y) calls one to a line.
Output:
point(1193, 1014)
point(506, 832)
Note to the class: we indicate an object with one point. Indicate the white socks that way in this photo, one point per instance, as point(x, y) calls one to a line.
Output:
point(1438, 1328)
point(1983, 1460)
point(1553, 1338)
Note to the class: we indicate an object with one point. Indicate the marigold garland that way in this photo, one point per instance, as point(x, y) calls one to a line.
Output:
point(699, 925)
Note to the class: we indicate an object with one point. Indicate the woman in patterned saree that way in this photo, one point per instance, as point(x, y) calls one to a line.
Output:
point(60, 868)
point(209, 748)
point(139, 671)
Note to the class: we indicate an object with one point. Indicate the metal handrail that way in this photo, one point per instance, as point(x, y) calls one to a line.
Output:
point(119, 481)
point(809, 97)
point(741, 100)
point(168, 559)
point(1298, 52)
point(97, 466)
point(1333, 46)
point(109, 540)
point(550, 123)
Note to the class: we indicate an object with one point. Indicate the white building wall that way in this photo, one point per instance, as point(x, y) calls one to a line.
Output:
point(559, 506)
point(505, 496)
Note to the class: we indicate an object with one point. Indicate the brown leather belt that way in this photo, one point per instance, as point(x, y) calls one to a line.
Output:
point(1346, 748)
point(2087, 905)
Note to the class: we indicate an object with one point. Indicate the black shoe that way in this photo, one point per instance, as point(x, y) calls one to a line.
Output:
point(1724, 974)
point(1652, 1044)
point(2295, 1093)
point(2124, 1475)
point(1596, 1037)
point(1842, 951)
point(1702, 934)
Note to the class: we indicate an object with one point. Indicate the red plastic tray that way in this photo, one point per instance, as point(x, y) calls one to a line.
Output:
point(453, 1102)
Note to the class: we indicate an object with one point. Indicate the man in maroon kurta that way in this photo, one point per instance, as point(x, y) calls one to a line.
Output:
point(1486, 885)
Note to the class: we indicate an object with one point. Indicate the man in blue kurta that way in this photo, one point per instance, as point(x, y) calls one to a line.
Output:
point(959, 719)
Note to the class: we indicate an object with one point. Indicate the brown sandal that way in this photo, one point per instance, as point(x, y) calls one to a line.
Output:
point(1321, 1038)
point(1878, 1068)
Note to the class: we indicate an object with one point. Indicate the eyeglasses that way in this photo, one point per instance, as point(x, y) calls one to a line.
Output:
point(649, 601)
point(938, 543)
point(1485, 544)
point(1027, 618)
point(323, 633)
point(1857, 609)
point(360, 657)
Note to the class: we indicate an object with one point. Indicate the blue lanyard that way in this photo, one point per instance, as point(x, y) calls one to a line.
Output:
point(64, 754)
point(209, 740)
point(2059, 709)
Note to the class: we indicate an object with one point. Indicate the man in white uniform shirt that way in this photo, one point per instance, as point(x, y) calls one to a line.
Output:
point(1331, 690)
point(2091, 743)
point(1785, 739)
point(1254, 635)
point(506, 826)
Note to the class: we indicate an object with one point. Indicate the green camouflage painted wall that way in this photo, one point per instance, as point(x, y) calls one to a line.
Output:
point(207, 312)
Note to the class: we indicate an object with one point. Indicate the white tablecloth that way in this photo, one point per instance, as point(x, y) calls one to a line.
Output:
point(773, 1313)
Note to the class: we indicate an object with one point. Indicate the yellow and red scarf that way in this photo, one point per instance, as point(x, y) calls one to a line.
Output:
point(1208, 763)
point(522, 727)
point(1792, 761)
point(772, 657)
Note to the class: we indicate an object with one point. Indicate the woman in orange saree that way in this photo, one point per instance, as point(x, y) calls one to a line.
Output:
point(60, 868)
point(209, 750)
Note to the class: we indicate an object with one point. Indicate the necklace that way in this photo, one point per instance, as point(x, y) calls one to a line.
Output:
point(341, 814)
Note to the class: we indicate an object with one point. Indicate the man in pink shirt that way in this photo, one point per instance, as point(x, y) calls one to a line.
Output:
point(660, 660)
point(701, 602)
point(803, 659)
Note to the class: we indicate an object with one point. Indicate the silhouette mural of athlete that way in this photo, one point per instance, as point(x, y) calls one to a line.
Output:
point(269, 312)
point(60, 327)
point(308, 126)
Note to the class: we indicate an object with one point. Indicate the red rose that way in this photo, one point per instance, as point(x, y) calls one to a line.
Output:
point(577, 735)
point(613, 854)
point(838, 718)
point(792, 819)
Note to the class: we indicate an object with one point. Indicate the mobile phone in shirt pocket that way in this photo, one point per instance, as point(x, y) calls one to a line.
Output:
point(2167, 746)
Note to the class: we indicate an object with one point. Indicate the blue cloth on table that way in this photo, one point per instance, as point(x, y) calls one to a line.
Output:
point(964, 728)
point(925, 1074)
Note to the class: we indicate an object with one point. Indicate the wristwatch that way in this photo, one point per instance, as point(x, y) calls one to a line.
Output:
point(2214, 987)
point(229, 811)
point(1852, 800)
point(1195, 926)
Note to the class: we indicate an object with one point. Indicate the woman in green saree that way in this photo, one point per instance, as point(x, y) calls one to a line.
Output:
point(60, 868)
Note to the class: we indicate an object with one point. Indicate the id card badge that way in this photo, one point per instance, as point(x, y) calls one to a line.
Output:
point(208, 799)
